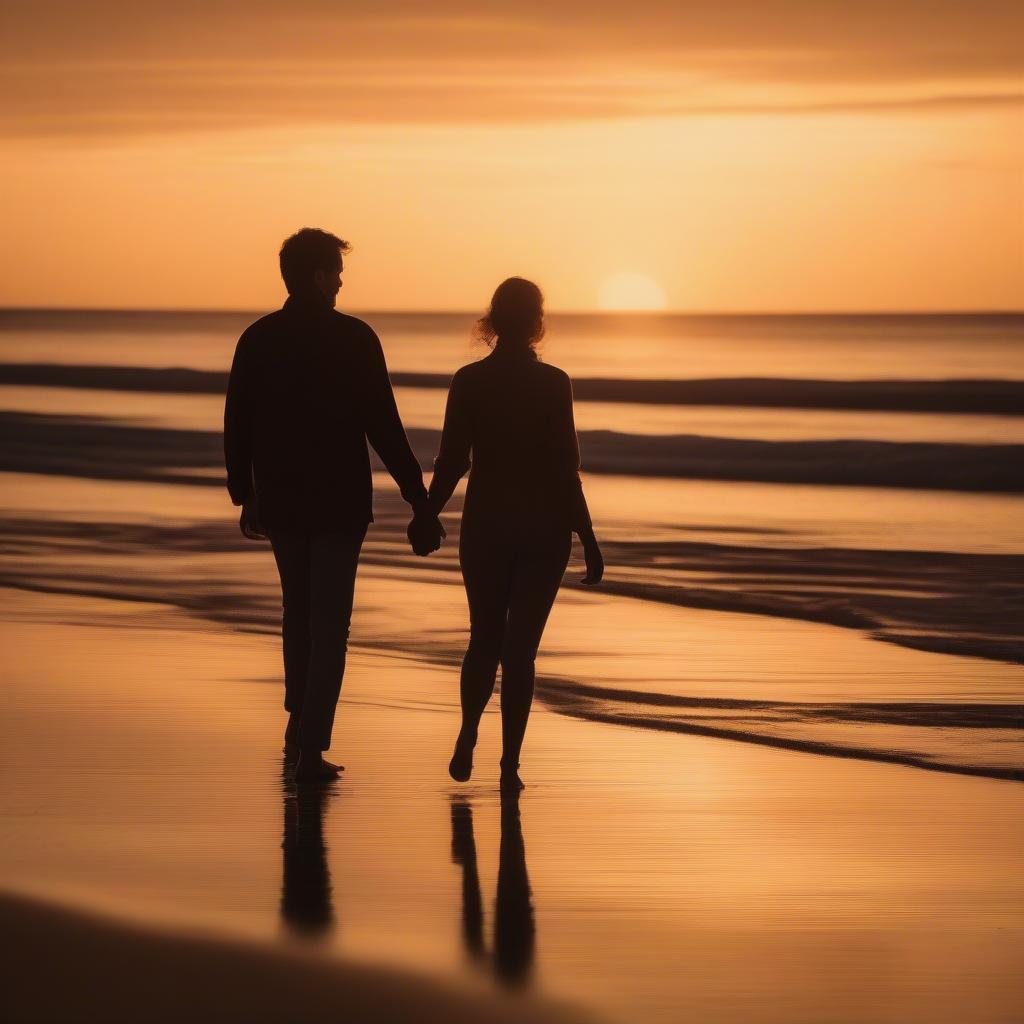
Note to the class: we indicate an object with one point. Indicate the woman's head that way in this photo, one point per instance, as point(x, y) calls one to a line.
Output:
point(515, 316)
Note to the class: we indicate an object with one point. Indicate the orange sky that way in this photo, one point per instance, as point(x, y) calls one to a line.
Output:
point(746, 155)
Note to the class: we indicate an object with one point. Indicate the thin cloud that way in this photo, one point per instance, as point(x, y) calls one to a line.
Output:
point(110, 68)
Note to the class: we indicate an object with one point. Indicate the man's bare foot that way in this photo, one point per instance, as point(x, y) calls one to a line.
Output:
point(292, 751)
point(313, 768)
point(291, 731)
point(460, 768)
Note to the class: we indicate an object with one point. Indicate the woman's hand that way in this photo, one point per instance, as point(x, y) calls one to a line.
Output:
point(594, 559)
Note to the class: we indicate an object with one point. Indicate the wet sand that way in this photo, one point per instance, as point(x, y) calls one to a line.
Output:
point(645, 876)
point(63, 965)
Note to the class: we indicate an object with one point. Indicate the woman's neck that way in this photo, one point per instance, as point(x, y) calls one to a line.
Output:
point(508, 347)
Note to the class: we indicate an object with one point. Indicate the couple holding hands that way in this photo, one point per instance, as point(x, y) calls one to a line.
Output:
point(308, 388)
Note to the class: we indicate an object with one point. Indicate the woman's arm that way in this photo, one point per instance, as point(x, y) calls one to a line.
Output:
point(582, 525)
point(452, 460)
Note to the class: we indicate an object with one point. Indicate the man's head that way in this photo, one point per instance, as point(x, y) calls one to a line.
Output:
point(311, 261)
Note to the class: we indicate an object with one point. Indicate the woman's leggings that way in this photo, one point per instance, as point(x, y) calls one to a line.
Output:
point(511, 585)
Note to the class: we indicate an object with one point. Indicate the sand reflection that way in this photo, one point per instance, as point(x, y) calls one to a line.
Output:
point(511, 955)
point(307, 909)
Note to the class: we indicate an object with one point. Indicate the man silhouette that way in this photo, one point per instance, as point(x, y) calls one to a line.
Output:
point(308, 387)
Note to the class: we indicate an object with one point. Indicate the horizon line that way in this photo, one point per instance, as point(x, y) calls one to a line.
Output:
point(370, 311)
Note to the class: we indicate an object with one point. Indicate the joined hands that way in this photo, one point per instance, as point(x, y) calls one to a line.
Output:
point(425, 532)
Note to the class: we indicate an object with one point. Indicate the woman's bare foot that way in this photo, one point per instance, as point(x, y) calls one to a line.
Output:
point(313, 768)
point(460, 768)
point(510, 784)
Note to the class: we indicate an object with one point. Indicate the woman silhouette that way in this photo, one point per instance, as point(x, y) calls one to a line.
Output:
point(523, 503)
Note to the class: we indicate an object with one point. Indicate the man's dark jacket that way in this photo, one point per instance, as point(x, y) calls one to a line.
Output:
point(308, 388)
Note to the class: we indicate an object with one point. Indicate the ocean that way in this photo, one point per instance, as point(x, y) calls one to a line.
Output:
point(813, 524)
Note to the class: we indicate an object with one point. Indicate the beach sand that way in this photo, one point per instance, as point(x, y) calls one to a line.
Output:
point(644, 876)
point(63, 965)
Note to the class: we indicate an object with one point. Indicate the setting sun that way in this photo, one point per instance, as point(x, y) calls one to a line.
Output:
point(631, 291)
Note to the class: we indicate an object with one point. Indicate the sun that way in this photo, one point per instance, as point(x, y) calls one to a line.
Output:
point(628, 290)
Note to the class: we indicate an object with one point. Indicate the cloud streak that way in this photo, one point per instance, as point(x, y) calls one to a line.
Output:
point(110, 68)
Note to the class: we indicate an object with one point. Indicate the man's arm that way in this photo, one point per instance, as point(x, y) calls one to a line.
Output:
point(385, 431)
point(238, 426)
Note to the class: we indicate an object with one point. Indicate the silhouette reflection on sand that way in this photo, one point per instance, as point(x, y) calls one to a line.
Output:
point(512, 951)
point(306, 905)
